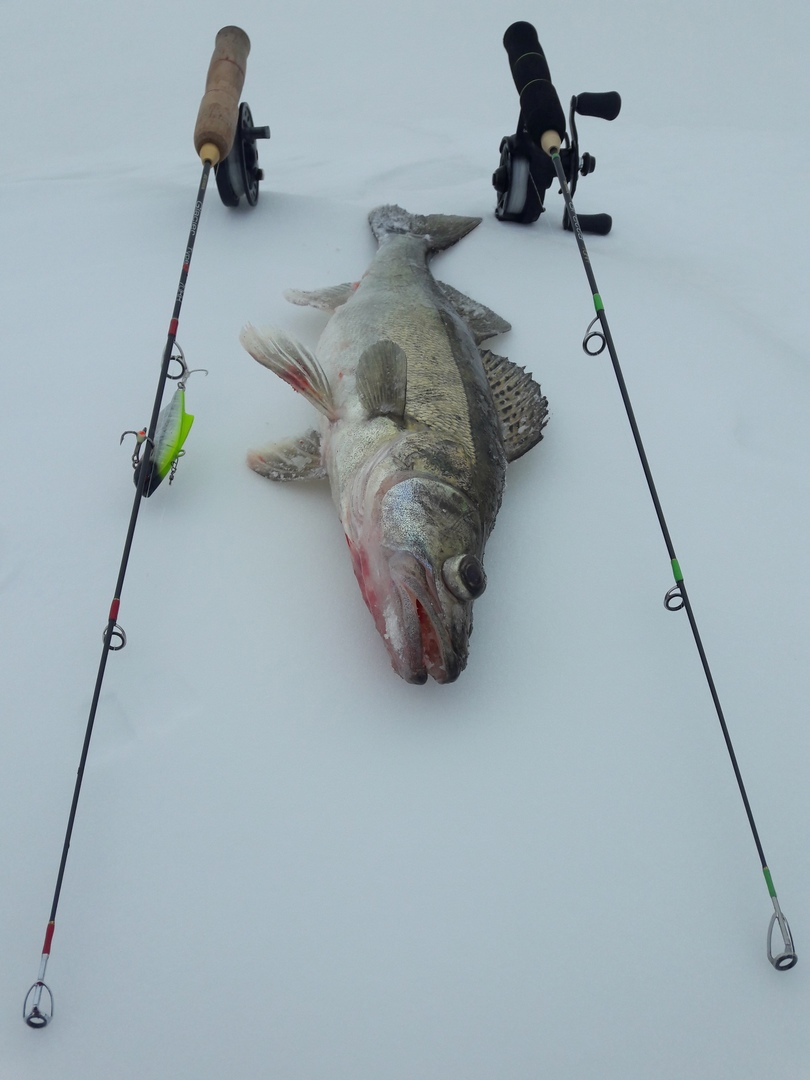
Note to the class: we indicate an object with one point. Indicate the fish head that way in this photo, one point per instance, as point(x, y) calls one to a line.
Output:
point(419, 566)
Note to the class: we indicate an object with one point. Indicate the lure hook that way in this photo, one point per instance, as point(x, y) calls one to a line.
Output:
point(140, 438)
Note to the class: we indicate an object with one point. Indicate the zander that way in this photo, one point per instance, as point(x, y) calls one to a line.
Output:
point(417, 426)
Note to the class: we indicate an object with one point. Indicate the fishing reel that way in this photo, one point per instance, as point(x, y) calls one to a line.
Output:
point(239, 174)
point(526, 172)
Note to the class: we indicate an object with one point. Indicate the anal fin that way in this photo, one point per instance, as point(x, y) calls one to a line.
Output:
point(521, 405)
point(290, 459)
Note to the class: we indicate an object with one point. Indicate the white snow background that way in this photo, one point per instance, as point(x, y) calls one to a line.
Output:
point(288, 863)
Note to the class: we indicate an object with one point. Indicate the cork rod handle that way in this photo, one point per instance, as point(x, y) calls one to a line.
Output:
point(219, 109)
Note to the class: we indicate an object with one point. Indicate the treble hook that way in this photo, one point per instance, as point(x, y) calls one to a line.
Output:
point(140, 439)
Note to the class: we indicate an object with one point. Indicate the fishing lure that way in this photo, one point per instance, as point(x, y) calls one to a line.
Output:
point(173, 426)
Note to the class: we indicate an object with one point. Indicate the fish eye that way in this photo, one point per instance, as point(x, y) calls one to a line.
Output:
point(464, 576)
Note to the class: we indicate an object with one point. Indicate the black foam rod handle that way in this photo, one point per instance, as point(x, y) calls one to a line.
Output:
point(539, 104)
point(605, 106)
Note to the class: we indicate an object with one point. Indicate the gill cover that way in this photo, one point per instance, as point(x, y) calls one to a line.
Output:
point(437, 524)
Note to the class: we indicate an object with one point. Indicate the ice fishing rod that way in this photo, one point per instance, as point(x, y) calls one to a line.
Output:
point(545, 123)
point(224, 138)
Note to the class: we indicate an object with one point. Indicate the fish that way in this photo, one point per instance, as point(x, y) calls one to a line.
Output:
point(417, 425)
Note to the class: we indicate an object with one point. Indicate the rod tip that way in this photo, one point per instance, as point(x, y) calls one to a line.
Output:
point(34, 1016)
point(787, 958)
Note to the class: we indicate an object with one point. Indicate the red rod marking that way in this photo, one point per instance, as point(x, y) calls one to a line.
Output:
point(173, 326)
point(46, 948)
point(116, 604)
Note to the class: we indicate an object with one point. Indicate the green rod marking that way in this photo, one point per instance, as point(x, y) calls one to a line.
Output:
point(769, 882)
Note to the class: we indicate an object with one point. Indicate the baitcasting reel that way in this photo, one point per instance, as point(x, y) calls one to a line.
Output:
point(239, 174)
point(526, 172)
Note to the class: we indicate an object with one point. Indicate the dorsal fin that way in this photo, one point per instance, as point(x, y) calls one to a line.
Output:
point(521, 405)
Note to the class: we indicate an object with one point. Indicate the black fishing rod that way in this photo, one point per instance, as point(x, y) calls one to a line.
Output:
point(544, 120)
point(214, 137)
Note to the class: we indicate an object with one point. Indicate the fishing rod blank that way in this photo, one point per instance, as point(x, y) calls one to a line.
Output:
point(545, 122)
point(213, 138)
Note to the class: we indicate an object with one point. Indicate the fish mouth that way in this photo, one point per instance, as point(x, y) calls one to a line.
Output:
point(424, 644)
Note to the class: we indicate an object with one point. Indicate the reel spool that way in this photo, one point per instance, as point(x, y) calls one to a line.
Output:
point(239, 174)
point(525, 172)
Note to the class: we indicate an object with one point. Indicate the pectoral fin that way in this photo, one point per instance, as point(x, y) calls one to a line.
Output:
point(482, 321)
point(293, 363)
point(521, 405)
point(290, 459)
point(382, 379)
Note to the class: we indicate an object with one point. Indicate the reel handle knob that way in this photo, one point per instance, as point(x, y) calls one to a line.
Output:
point(215, 129)
point(599, 224)
point(606, 106)
point(540, 106)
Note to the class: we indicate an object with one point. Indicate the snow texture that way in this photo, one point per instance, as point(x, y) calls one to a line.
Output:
point(287, 862)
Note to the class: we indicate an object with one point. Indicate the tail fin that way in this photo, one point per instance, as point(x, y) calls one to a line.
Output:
point(439, 230)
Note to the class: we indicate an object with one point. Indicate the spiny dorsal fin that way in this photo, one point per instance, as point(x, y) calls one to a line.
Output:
point(482, 321)
point(522, 408)
point(382, 379)
point(328, 299)
point(293, 363)
point(290, 459)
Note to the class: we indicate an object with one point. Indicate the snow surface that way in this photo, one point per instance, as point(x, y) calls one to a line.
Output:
point(288, 863)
